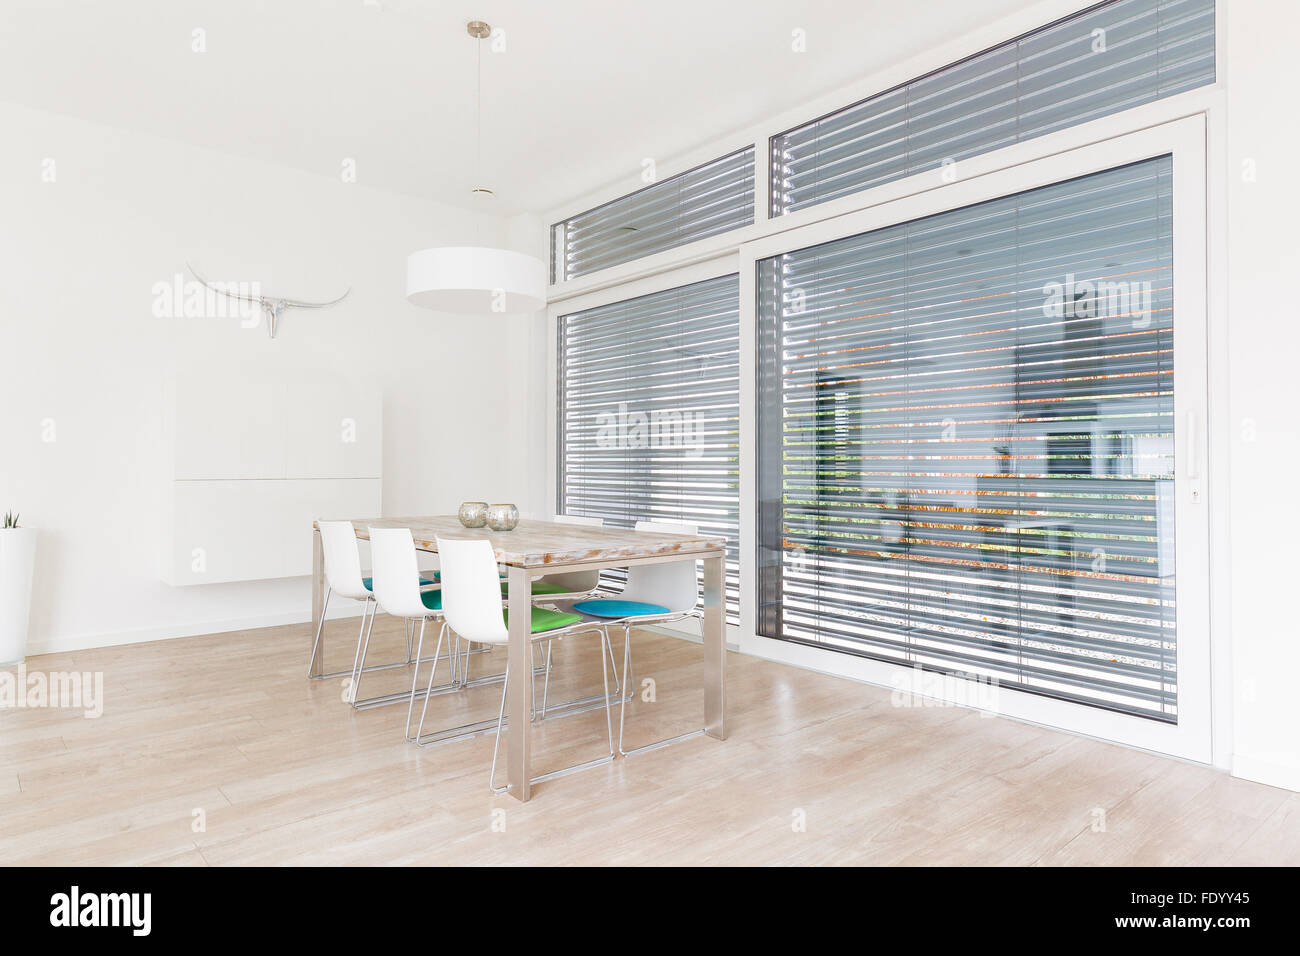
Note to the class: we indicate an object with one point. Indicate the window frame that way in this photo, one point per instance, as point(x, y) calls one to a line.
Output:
point(554, 261)
point(553, 481)
point(663, 281)
point(1184, 138)
point(937, 71)
point(719, 255)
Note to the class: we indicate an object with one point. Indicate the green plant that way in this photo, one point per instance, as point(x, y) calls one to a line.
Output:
point(10, 520)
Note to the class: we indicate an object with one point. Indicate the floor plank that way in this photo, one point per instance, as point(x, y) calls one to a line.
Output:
point(216, 750)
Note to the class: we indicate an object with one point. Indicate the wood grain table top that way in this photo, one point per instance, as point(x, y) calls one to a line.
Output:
point(535, 544)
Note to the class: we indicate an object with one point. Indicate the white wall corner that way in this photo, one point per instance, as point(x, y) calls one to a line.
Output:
point(1275, 769)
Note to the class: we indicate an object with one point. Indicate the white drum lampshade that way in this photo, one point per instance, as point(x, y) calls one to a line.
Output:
point(476, 280)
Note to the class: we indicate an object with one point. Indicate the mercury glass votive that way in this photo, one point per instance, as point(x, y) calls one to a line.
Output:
point(473, 514)
point(502, 517)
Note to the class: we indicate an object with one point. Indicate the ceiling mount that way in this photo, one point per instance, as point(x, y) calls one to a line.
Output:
point(478, 29)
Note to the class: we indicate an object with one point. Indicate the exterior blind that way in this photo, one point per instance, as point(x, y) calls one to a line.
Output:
point(966, 442)
point(705, 201)
point(1106, 59)
point(649, 406)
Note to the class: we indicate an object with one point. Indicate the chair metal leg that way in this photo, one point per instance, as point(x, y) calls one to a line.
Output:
point(416, 676)
point(367, 614)
point(546, 684)
point(612, 666)
point(627, 648)
point(467, 681)
point(316, 644)
point(464, 731)
point(357, 656)
point(496, 747)
point(359, 666)
point(587, 764)
point(604, 676)
point(581, 705)
point(382, 700)
point(442, 632)
point(627, 661)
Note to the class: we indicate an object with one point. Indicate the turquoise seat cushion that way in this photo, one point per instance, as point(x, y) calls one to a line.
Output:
point(432, 600)
point(548, 620)
point(539, 587)
point(369, 582)
point(612, 607)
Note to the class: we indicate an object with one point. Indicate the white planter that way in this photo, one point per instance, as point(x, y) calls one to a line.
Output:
point(17, 558)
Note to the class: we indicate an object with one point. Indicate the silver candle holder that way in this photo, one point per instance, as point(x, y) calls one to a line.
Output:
point(473, 514)
point(502, 517)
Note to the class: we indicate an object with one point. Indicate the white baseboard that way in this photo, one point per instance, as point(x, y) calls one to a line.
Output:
point(1268, 770)
point(80, 642)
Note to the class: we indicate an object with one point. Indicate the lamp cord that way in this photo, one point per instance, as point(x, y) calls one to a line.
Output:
point(478, 132)
point(478, 106)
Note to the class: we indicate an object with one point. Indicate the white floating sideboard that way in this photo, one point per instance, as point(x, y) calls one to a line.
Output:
point(255, 462)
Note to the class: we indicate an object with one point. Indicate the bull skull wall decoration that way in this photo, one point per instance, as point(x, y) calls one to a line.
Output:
point(272, 308)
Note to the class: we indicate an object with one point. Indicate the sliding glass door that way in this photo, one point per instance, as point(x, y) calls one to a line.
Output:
point(647, 402)
point(967, 439)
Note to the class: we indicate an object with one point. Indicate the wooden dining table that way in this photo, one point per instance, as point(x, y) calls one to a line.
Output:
point(534, 548)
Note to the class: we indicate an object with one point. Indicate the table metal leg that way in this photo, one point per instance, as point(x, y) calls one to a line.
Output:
point(715, 648)
point(317, 601)
point(519, 703)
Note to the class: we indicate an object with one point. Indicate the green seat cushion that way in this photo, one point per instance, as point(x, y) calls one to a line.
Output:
point(370, 586)
point(547, 620)
point(539, 587)
point(432, 599)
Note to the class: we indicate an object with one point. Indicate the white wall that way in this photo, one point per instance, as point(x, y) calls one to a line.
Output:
point(82, 354)
point(530, 378)
point(1264, 387)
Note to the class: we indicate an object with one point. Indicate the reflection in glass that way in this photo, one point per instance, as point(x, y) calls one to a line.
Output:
point(966, 442)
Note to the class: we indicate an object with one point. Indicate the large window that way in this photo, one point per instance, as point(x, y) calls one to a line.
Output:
point(1109, 58)
point(710, 199)
point(965, 442)
point(648, 406)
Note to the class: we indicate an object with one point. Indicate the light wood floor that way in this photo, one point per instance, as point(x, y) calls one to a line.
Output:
point(283, 772)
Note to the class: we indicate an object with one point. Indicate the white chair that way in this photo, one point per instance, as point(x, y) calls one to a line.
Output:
point(471, 593)
point(564, 586)
point(573, 585)
point(654, 594)
point(343, 577)
point(397, 591)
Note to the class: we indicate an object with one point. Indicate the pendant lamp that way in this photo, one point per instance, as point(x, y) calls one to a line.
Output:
point(476, 279)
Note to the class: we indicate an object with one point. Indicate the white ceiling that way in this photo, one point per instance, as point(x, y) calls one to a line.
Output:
point(583, 92)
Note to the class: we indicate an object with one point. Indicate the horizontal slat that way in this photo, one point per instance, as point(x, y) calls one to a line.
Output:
point(1098, 62)
point(707, 201)
point(956, 474)
point(629, 368)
